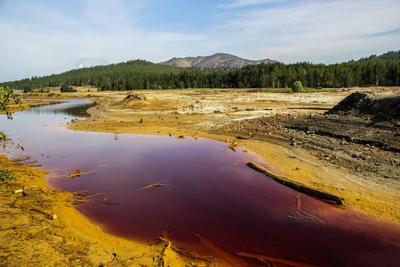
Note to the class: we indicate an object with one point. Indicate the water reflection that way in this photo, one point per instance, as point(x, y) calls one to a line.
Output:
point(77, 108)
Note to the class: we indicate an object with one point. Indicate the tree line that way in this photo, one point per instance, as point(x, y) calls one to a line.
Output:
point(381, 70)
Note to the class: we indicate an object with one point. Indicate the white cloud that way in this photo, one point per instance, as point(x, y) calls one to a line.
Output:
point(316, 30)
point(57, 41)
point(51, 39)
point(243, 3)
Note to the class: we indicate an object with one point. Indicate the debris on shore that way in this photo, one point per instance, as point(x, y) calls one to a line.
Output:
point(76, 173)
point(326, 197)
point(153, 186)
point(134, 96)
point(233, 145)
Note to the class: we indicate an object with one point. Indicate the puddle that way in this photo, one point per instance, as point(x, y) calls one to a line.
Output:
point(197, 193)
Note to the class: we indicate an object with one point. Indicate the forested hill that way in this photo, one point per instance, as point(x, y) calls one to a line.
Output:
point(121, 76)
point(391, 55)
point(381, 70)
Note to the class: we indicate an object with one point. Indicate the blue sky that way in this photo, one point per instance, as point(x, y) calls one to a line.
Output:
point(44, 37)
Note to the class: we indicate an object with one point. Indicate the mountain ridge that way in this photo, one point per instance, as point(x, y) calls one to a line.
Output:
point(215, 61)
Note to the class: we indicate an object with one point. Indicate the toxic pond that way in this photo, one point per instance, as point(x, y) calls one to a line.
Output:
point(207, 199)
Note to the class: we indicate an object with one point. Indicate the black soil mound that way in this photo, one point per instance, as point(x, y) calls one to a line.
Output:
point(359, 103)
point(133, 96)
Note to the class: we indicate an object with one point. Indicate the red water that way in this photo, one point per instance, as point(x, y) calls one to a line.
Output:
point(211, 201)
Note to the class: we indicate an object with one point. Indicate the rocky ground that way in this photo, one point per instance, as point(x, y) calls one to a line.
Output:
point(372, 150)
point(361, 133)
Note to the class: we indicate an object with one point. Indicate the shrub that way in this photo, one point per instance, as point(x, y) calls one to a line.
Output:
point(3, 137)
point(65, 88)
point(43, 90)
point(27, 88)
point(297, 87)
point(6, 175)
point(7, 96)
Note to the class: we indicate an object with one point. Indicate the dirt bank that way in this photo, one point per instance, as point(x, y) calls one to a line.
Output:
point(366, 168)
point(384, 108)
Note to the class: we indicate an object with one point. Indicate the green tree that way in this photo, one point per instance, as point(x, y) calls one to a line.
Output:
point(297, 87)
point(7, 96)
point(65, 88)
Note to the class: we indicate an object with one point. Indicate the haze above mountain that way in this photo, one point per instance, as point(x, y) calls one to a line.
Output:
point(219, 60)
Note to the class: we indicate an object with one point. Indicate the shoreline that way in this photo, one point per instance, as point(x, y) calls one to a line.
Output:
point(76, 230)
point(42, 226)
point(379, 204)
point(299, 165)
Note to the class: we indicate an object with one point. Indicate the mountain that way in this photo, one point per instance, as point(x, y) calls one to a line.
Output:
point(219, 60)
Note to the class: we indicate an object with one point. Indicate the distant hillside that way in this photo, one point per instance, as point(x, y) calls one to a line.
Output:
point(391, 55)
point(381, 70)
point(215, 61)
point(121, 76)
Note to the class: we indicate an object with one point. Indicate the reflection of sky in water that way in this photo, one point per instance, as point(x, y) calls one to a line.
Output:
point(76, 108)
point(209, 191)
point(45, 133)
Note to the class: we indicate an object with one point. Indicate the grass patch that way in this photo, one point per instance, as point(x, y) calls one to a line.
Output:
point(6, 175)
point(316, 90)
point(262, 90)
point(289, 90)
point(4, 137)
